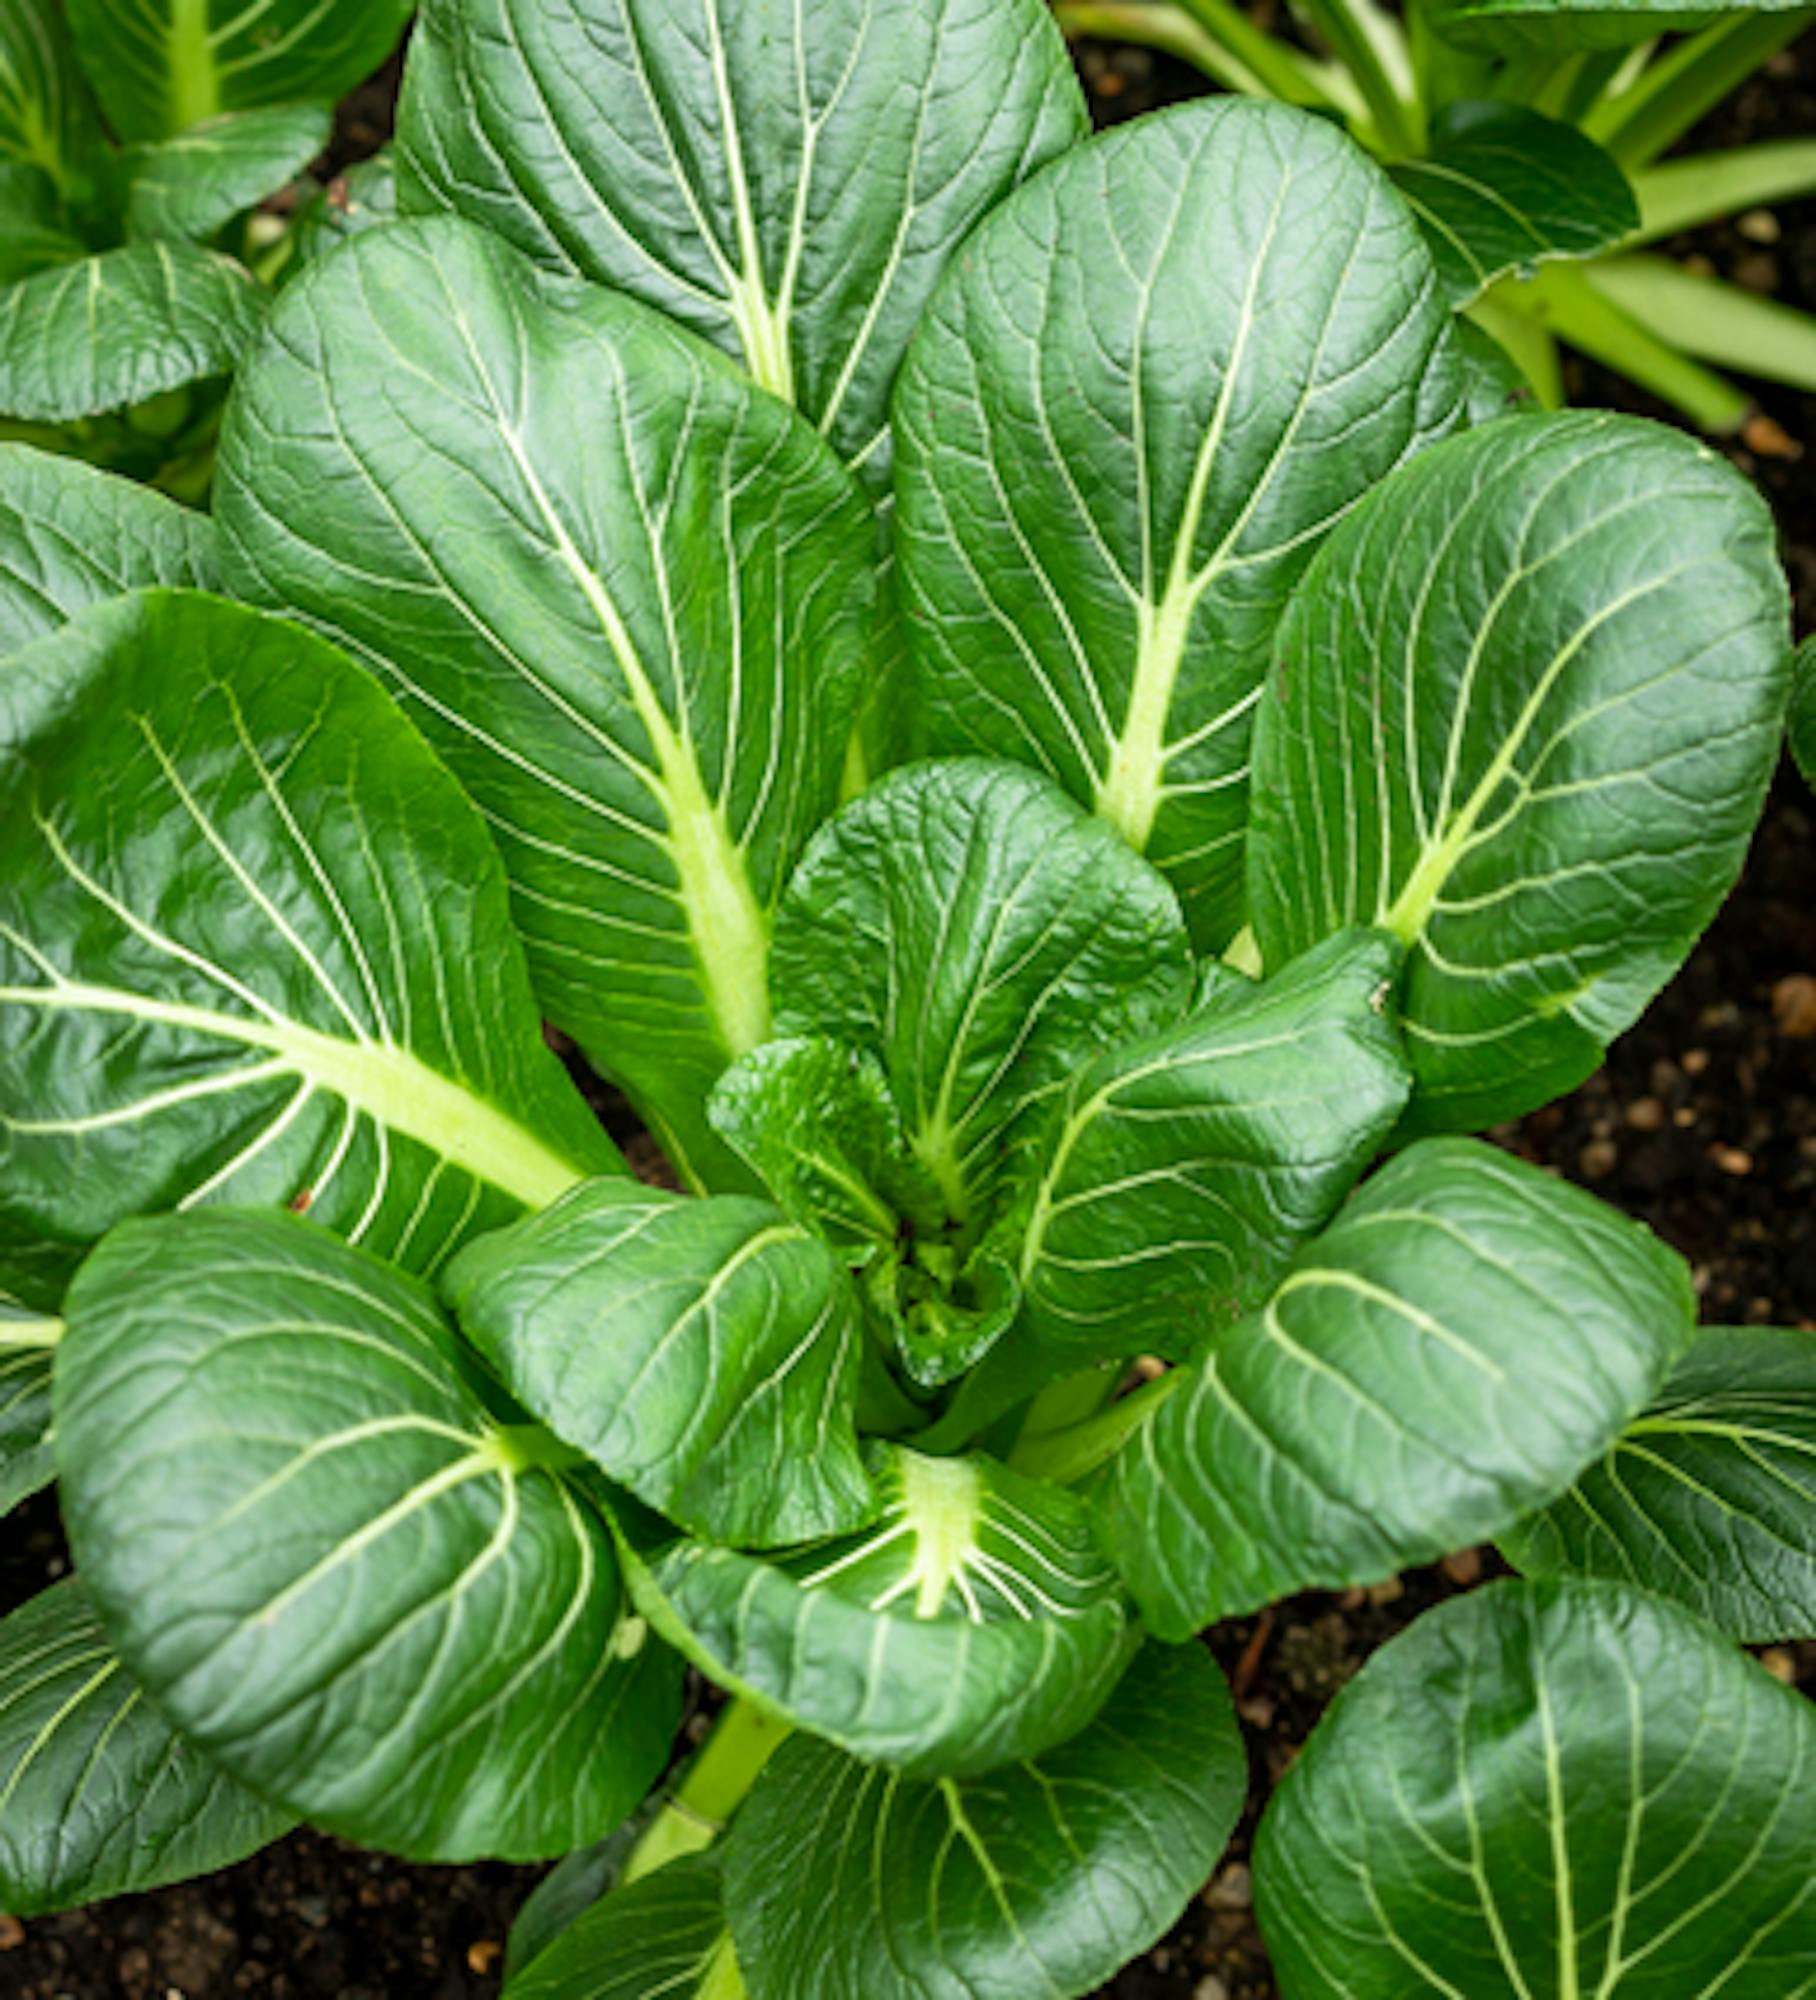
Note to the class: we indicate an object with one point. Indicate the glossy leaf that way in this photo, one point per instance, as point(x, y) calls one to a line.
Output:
point(330, 1564)
point(98, 1797)
point(27, 1462)
point(161, 66)
point(1039, 1880)
point(1548, 1789)
point(977, 933)
point(194, 184)
point(1465, 1336)
point(1524, 712)
point(1560, 27)
point(1494, 383)
point(1709, 1495)
point(254, 947)
point(787, 182)
point(1184, 1169)
point(72, 535)
point(1503, 189)
point(1157, 378)
point(362, 198)
point(79, 339)
point(704, 1353)
point(972, 1623)
point(636, 636)
point(47, 119)
point(663, 1935)
point(1803, 710)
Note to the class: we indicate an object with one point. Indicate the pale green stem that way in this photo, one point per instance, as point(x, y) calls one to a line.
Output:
point(1713, 320)
point(1067, 1456)
point(35, 1333)
point(1684, 194)
point(1283, 72)
point(1171, 30)
point(1360, 41)
point(1688, 82)
point(1502, 317)
point(742, 1741)
point(1243, 953)
point(1065, 1403)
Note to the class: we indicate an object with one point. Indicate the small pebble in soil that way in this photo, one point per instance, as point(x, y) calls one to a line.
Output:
point(1794, 1006)
point(1210, 1987)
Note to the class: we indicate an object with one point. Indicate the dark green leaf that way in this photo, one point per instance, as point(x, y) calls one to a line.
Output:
point(97, 1796)
point(47, 118)
point(254, 947)
point(1559, 28)
point(197, 183)
point(71, 535)
point(83, 338)
point(627, 595)
point(972, 1624)
point(1709, 1496)
point(362, 198)
point(704, 1353)
point(1038, 1880)
point(1465, 1336)
point(27, 1462)
point(1524, 712)
point(1803, 710)
point(977, 933)
point(329, 1564)
point(1548, 1789)
point(161, 66)
point(34, 231)
point(1503, 189)
point(1494, 383)
point(1158, 377)
point(1185, 1168)
point(664, 1935)
point(788, 182)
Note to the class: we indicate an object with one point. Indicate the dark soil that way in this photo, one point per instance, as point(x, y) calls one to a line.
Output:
point(1702, 1121)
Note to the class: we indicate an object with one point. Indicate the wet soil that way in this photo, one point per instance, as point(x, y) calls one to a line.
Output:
point(1702, 1121)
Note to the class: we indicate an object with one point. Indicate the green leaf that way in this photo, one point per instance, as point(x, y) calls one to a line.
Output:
point(1560, 27)
point(254, 947)
point(637, 637)
point(704, 1353)
point(27, 1349)
point(787, 182)
point(1548, 1789)
point(80, 339)
point(977, 933)
point(1709, 1495)
point(34, 228)
point(98, 1797)
point(1495, 383)
point(1038, 1880)
point(1185, 1168)
point(973, 1623)
point(362, 198)
point(1803, 710)
point(161, 66)
point(194, 184)
point(1465, 1336)
point(1158, 377)
point(47, 118)
point(664, 1935)
point(817, 1122)
point(72, 535)
point(330, 1564)
point(1525, 708)
point(1504, 189)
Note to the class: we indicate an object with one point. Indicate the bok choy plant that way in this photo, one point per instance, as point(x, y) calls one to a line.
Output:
point(990, 683)
point(135, 137)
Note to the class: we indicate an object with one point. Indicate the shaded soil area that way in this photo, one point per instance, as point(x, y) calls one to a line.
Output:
point(1703, 1122)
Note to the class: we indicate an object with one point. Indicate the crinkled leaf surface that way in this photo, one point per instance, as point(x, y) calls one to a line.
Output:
point(787, 181)
point(1709, 1495)
point(71, 535)
point(1548, 1789)
point(1465, 1336)
point(196, 183)
point(47, 118)
point(978, 933)
point(1503, 189)
point(328, 1562)
point(1524, 711)
point(1803, 710)
point(161, 66)
point(1559, 27)
point(98, 1796)
point(254, 947)
point(27, 1461)
point(1158, 376)
point(79, 339)
point(663, 1935)
point(704, 1353)
point(974, 1622)
point(1040, 1879)
point(625, 593)
point(1184, 1168)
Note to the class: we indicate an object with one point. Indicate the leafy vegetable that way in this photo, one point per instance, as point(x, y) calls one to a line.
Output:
point(27, 1341)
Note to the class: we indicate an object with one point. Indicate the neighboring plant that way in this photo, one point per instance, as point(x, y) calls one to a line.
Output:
point(1528, 131)
point(1304, 775)
point(132, 275)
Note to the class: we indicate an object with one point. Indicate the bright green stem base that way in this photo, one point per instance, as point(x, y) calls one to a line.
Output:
point(742, 1742)
point(1067, 1456)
